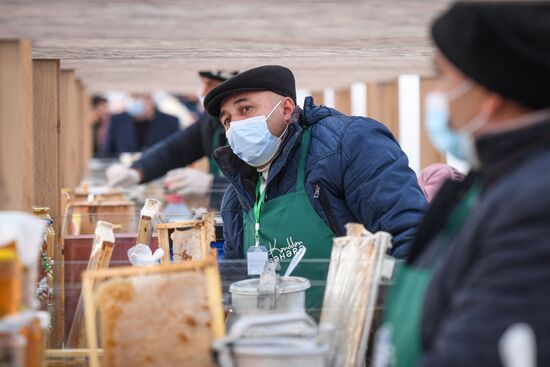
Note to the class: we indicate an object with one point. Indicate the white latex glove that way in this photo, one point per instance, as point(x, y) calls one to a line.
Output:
point(188, 182)
point(120, 175)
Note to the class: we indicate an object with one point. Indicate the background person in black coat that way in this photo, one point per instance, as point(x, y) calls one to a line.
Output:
point(138, 128)
point(180, 150)
point(100, 117)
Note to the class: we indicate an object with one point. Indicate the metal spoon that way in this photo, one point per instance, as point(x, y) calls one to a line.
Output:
point(295, 261)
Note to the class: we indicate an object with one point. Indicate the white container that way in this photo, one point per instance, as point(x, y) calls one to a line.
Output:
point(237, 350)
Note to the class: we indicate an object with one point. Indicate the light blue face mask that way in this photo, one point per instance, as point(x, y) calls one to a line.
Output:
point(251, 140)
point(460, 144)
point(135, 107)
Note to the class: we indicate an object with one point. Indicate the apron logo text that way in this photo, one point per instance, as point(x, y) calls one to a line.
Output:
point(284, 253)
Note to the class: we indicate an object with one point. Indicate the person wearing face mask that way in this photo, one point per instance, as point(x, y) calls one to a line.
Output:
point(479, 262)
point(99, 118)
point(173, 154)
point(138, 128)
point(299, 176)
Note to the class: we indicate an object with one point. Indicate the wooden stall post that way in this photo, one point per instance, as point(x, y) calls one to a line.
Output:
point(318, 97)
point(342, 100)
point(85, 130)
point(70, 157)
point(16, 123)
point(383, 104)
point(46, 132)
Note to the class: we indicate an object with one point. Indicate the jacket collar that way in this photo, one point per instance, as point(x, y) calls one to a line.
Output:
point(499, 153)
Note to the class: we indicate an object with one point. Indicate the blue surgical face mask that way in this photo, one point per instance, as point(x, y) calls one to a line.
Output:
point(460, 144)
point(251, 140)
point(135, 107)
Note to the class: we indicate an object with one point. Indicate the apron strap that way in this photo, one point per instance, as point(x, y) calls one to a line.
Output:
point(456, 220)
point(213, 167)
point(300, 184)
point(304, 149)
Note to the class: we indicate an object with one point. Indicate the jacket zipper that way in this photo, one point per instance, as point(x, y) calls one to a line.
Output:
point(320, 195)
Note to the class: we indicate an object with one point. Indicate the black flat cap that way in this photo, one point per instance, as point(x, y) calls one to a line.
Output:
point(503, 46)
point(277, 79)
point(221, 75)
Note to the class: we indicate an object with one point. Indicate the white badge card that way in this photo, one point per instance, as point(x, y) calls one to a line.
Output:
point(256, 259)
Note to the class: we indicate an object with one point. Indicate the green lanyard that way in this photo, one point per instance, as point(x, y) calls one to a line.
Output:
point(258, 207)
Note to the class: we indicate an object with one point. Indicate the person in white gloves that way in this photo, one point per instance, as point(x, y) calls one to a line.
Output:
point(120, 175)
point(179, 151)
point(188, 182)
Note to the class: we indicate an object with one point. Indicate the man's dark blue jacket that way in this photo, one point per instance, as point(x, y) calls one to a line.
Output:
point(355, 172)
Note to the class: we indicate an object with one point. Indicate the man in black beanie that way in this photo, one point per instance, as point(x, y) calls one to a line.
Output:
point(479, 265)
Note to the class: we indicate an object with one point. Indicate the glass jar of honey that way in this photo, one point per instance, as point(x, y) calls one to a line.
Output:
point(10, 281)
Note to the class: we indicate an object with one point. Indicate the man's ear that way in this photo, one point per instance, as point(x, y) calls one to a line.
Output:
point(288, 108)
point(492, 105)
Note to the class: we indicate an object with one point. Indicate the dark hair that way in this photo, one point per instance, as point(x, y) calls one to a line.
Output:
point(97, 100)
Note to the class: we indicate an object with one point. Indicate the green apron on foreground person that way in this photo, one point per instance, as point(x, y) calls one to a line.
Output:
point(288, 223)
point(402, 318)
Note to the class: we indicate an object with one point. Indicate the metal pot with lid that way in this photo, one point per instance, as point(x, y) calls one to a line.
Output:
point(269, 294)
point(288, 295)
point(239, 350)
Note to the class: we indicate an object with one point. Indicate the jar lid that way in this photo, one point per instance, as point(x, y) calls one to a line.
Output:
point(40, 210)
point(7, 254)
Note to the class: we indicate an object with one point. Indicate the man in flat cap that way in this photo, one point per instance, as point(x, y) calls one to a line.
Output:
point(479, 265)
point(298, 176)
point(180, 150)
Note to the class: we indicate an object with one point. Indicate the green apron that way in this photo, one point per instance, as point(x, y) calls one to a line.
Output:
point(288, 223)
point(404, 312)
point(213, 167)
